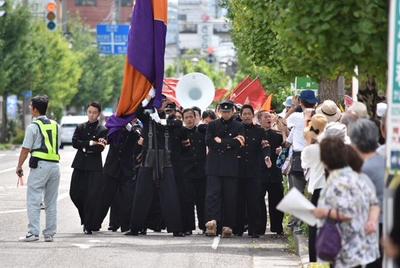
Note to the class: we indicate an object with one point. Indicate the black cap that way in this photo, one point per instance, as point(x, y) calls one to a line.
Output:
point(226, 106)
point(171, 105)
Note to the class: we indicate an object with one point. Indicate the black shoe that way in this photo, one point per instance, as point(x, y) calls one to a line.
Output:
point(179, 234)
point(143, 232)
point(88, 232)
point(132, 233)
point(240, 234)
point(188, 233)
point(111, 228)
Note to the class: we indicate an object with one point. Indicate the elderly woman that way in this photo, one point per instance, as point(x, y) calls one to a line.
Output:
point(348, 199)
point(364, 135)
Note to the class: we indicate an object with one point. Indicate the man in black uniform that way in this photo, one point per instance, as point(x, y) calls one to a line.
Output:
point(254, 156)
point(156, 187)
point(193, 161)
point(86, 181)
point(271, 181)
point(224, 138)
point(119, 175)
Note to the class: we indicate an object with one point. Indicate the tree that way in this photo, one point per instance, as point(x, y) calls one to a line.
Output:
point(58, 68)
point(17, 66)
point(323, 39)
point(101, 76)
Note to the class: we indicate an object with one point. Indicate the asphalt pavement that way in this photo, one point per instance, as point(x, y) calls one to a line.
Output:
point(72, 248)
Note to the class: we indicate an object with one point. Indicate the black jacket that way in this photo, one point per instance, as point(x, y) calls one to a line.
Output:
point(173, 128)
point(223, 158)
point(275, 140)
point(88, 157)
point(193, 157)
point(121, 159)
point(253, 154)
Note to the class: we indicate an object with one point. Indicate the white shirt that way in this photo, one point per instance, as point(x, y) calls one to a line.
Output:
point(310, 159)
point(296, 135)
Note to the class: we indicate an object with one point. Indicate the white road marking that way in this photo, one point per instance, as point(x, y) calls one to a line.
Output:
point(60, 197)
point(7, 170)
point(12, 211)
point(95, 241)
point(215, 242)
point(82, 246)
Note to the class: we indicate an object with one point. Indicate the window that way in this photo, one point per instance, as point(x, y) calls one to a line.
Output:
point(85, 2)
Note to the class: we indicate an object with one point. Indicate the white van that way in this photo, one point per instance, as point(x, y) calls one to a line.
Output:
point(68, 126)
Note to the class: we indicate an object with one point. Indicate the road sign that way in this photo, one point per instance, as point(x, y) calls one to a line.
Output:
point(393, 121)
point(112, 39)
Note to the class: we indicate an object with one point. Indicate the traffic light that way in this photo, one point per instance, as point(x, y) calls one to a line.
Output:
point(210, 58)
point(51, 15)
point(2, 8)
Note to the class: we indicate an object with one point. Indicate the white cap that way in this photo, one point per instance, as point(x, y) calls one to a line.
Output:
point(381, 109)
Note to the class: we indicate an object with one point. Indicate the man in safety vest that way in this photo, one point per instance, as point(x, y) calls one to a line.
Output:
point(42, 142)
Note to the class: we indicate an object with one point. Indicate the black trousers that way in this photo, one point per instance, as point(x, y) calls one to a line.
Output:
point(312, 234)
point(85, 191)
point(165, 193)
point(221, 199)
point(248, 207)
point(118, 192)
point(275, 195)
point(114, 221)
point(194, 196)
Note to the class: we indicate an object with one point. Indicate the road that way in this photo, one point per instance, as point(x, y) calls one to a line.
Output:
point(72, 248)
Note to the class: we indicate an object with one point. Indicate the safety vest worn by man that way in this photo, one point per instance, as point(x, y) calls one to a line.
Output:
point(48, 150)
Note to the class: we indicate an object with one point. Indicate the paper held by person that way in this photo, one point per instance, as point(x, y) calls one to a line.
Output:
point(296, 204)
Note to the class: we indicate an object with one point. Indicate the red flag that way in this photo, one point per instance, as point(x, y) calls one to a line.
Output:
point(348, 101)
point(245, 82)
point(169, 89)
point(267, 104)
point(254, 94)
point(219, 94)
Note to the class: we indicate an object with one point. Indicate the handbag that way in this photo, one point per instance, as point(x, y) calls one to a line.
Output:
point(296, 163)
point(329, 240)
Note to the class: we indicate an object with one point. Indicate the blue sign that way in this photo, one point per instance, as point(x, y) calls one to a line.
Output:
point(112, 39)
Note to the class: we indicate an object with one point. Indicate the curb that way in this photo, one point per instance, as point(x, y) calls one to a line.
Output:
point(302, 249)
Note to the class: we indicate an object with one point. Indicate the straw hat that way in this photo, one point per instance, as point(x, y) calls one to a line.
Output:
point(330, 110)
point(315, 127)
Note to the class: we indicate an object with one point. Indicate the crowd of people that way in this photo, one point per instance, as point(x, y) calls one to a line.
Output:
point(183, 169)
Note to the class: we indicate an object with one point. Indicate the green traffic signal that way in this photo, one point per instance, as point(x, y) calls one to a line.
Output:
point(51, 25)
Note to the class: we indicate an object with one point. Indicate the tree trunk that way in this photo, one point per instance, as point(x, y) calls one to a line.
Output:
point(368, 94)
point(4, 130)
point(328, 90)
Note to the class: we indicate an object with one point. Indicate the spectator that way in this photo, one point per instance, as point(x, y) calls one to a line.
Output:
point(315, 173)
point(359, 109)
point(364, 135)
point(330, 110)
point(347, 199)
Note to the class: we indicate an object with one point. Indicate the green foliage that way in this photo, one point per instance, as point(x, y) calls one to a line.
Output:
point(17, 57)
point(323, 39)
point(101, 76)
point(57, 68)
